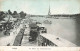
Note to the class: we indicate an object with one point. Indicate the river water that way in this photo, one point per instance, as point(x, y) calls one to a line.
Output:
point(65, 28)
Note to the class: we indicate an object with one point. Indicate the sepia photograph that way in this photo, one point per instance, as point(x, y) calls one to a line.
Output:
point(40, 23)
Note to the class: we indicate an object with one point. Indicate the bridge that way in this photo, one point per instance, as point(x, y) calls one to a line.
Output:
point(60, 16)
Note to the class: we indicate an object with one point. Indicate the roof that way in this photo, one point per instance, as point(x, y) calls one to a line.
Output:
point(33, 25)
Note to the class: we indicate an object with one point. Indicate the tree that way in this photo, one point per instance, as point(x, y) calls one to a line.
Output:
point(9, 12)
point(22, 14)
point(2, 15)
point(15, 13)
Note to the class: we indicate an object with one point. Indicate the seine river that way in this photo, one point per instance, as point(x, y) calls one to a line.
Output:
point(65, 28)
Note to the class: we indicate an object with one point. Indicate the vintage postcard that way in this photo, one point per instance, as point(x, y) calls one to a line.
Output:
point(39, 25)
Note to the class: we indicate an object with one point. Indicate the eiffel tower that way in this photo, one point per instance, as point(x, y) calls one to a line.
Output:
point(49, 12)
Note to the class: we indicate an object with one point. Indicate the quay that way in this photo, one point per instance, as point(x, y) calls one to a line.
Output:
point(9, 40)
point(20, 36)
point(45, 39)
point(52, 40)
point(18, 39)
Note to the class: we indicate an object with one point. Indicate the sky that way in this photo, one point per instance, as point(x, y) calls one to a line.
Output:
point(41, 7)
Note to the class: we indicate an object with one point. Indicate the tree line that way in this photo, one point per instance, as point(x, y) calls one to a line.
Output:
point(2, 14)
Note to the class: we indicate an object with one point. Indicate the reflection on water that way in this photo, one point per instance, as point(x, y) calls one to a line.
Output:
point(65, 28)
